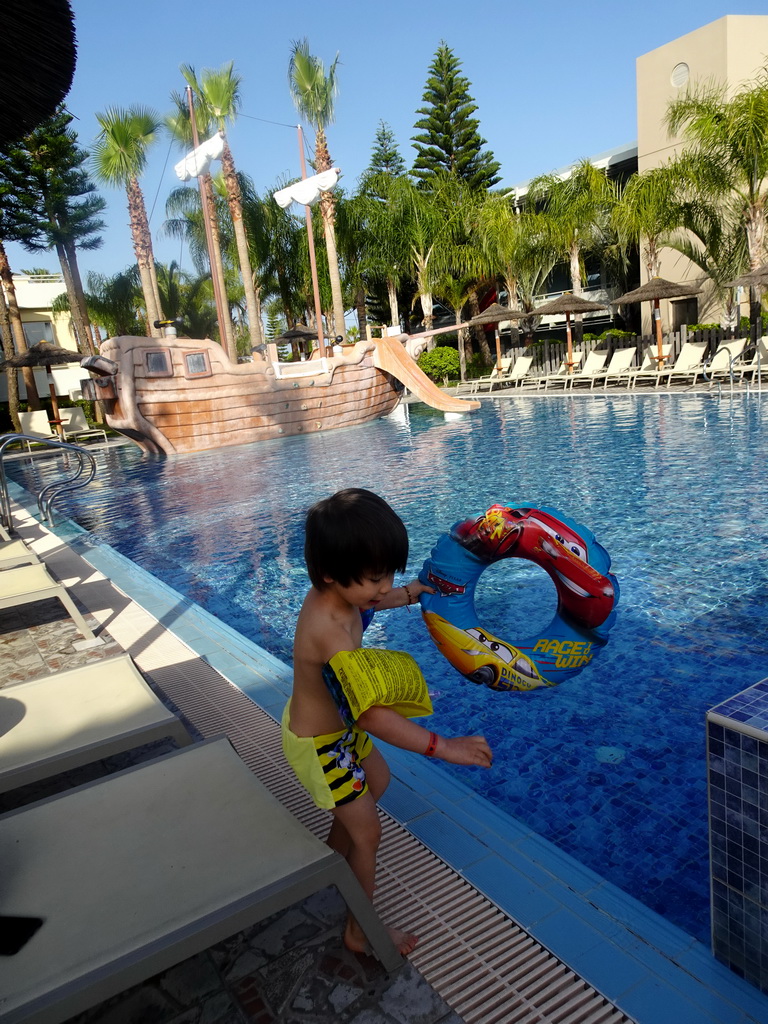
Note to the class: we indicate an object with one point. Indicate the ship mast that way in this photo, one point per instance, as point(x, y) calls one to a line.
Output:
point(219, 291)
point(312, 259)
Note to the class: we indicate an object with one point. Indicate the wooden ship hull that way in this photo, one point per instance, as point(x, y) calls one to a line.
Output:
point(173, 395)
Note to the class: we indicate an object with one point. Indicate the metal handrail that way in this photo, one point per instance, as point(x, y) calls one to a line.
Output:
point(51, 491)
point(731, 361)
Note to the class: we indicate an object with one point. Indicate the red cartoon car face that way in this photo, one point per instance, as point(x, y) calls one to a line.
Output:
point(584, 593)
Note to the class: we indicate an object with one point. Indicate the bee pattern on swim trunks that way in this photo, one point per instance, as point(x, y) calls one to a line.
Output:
point(341, 766)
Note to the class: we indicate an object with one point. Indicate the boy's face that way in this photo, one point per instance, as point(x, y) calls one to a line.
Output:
point(368, 592)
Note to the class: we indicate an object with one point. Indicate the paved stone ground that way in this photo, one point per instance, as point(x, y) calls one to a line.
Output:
point(290, 969)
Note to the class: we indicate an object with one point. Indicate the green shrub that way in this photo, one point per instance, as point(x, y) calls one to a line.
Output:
point(613, 332)
point(440, 364)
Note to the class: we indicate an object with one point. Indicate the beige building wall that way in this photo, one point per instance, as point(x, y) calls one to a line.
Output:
point(731, 50)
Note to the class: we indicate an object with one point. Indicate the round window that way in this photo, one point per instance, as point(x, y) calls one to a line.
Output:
point(680, 75)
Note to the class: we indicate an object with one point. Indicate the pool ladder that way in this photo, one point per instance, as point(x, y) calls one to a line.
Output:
point(49, 493)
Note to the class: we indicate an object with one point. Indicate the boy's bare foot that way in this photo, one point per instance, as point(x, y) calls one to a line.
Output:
point(355, 940)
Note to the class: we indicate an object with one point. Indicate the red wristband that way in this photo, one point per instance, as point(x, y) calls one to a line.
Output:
point(432, 745)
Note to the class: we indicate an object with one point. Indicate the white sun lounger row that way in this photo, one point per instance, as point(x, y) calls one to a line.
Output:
point(134, 873)
point(732, 360)
point(106, 884)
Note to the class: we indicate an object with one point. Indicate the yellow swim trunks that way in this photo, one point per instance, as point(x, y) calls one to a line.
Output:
point(329, 767)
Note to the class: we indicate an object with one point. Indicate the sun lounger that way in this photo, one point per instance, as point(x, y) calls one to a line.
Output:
point(62, 721)
point(618, 368)
point(31, 583)
point(516, 377)
point(564, 370)
point(143, 869)
point(687, 365)
point(648, 369)
point(594, 365)
point(37, 424)
point(73, 424)
point(723, 362)
point(76, 425)
point(472, 386)
point(16, 552)
point(755, 366)
point(4, 535)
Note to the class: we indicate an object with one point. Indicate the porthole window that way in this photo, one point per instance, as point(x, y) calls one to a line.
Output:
point(196, 364)
point(680, 75)
point(158, 363)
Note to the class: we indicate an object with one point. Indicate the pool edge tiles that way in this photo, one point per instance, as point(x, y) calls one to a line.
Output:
point(737, 782)
point(651, 970)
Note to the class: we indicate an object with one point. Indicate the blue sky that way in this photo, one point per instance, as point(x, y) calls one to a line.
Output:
point(553, 82)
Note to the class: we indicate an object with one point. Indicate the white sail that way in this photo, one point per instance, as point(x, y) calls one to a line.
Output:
point(307, 191)
point(199, 160)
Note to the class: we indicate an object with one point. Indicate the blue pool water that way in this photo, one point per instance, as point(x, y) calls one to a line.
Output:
point(609, 766)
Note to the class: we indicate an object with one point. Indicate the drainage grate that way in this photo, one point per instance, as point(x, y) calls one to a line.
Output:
point(487, 968)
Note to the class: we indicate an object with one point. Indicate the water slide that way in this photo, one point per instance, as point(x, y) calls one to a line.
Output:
point(392, 357)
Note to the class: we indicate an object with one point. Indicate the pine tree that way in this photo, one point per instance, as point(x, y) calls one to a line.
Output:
point(48, 167)
point(385, 156)
point(448, 139)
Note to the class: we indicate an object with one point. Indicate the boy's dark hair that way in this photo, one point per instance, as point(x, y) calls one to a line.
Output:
point(352, 534)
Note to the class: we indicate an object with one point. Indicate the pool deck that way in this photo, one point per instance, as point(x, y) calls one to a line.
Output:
point(489, 897)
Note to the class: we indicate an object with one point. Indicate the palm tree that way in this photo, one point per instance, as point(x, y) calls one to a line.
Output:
point(648, 211)
point(377, 217)
point(727, 151)
point(456, 291)
point(715, 241)
point(313, 94)
point(179, 124)
point(577, 208)
point(218, 98)
point(114, 302)
point(519, 248)
point(120, 156)
point(7, 335)
point(281, 242)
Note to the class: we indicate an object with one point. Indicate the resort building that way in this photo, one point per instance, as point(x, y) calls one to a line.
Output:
point(732, 51)
point(35, 295)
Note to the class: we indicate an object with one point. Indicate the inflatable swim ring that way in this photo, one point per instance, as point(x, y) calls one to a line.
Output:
point(587, 594)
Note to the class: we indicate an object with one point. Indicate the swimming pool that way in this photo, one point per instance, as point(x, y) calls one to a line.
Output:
point(609, 766)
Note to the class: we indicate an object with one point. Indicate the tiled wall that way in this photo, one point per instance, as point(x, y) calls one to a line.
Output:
point(737, 756)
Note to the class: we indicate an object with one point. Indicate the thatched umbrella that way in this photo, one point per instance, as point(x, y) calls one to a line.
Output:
point(654, 290)
point(496, 314)
point(47, 355)
point(752, 279)
point(298, 334)
point(569, 304)
point(39, 36)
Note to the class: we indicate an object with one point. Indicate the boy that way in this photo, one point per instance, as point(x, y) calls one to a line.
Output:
point(354, 545)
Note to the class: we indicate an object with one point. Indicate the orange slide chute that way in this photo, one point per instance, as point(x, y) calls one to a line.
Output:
point(392, 357)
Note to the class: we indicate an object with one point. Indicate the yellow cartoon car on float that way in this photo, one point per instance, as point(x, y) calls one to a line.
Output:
point(483, 658)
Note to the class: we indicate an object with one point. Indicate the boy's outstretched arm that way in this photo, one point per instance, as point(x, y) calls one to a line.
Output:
point(386, 724)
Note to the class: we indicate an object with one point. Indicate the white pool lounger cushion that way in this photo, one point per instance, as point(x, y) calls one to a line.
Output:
point(59, 722)
point(31, 583)
point(16, 552)
point(147, 867)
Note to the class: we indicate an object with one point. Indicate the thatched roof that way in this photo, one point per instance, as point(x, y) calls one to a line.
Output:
point(297, 333)
point(656, 288)
point(758, 276)
point(38, 52)
point(43, 354)
point(495, 314)
point(569, 303)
